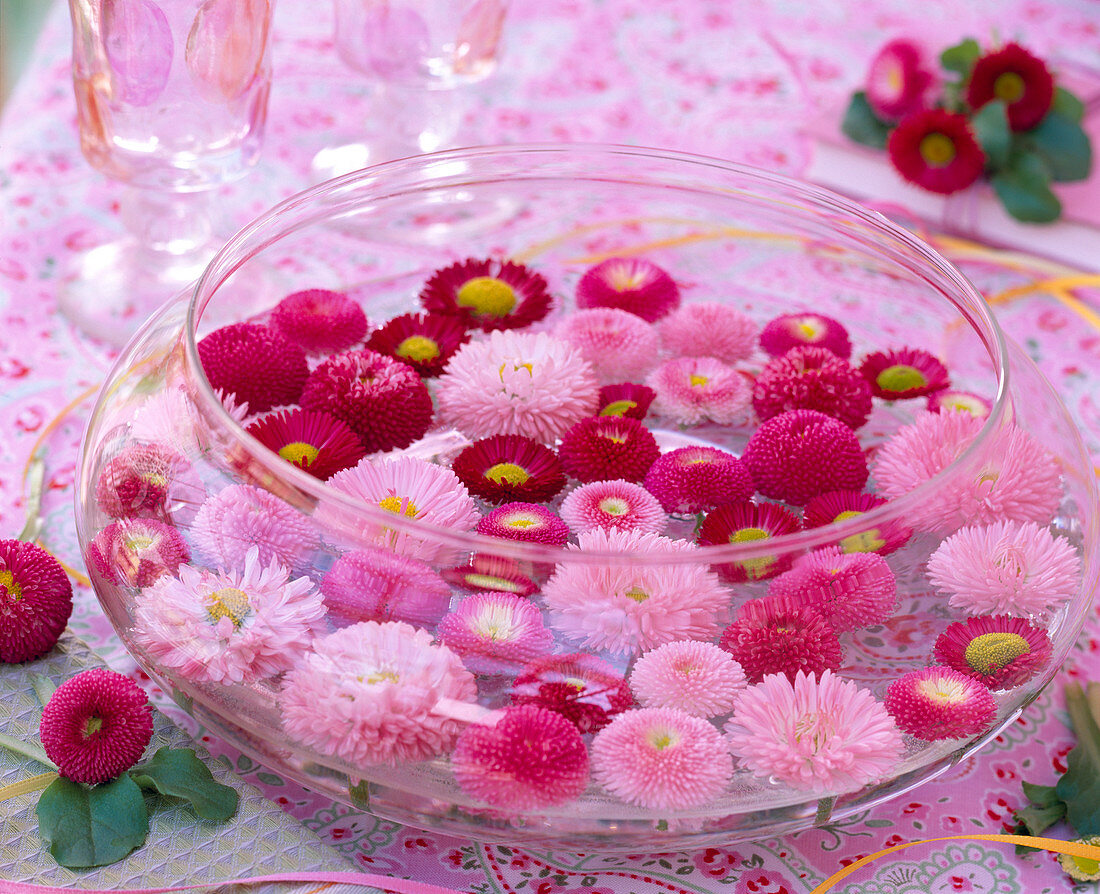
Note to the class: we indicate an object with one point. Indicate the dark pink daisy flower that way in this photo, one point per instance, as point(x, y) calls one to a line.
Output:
point(842, 505)
point(528, 522)
point(319, 321)
point(495, 633)
point(850, 590)
point(381, 399)
point(149, 480)
point(626, 399)
point(380, 585)
point(948, 399)
point(809, 378)
point(134, 552)
point(999, 651)
point(616, 504)
point(584, 689)
point(491, 573)
point(487, 294)
point(940, 703)
point(36, 599)
point(1017, 78)
point(632, 284)
point(800, 454)
point(905, 372)
point(424, 341)
point(936, 150)
point(801, 329)
point(312, 440)
point(601, 448)
point(900, 80)
point(691, 479)
point(510, 468)
point(255, 364)
point(96, 726)
point(748, 523)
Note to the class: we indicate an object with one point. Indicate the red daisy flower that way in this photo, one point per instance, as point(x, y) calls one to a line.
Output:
point(36, 599)
point(631, 284)
point(491, 573)
point(903, 372)
point(936, 150)
point(584, 689)
point(424, 341)
point(309, 439)
point(505, 468)
point(899, 80)
point(748, 523)
point(1016, 77)
point(602, 448)
point(626, 399)
point(805, 329)
point(809, 378)
point(998, 650)
point(135, 552)
point(319, 321)
point(940, 703)
point(691, 479)
point(488, 294)
point(526, 522)
point(255, 363)
point(841, 505)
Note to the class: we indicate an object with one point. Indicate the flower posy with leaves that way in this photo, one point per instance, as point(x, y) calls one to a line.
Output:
point(997, 114)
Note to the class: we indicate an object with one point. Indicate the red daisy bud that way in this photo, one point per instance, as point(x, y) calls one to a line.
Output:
point(809, 378)
point(603, 448)
point(319, 321)
point(255, 363)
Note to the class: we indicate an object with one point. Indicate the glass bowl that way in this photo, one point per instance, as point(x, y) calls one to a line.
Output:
point(768, 619)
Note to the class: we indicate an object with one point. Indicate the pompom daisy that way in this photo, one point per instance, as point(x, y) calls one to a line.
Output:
point(529, 758)
point(512, 468)
point(320, 321)
point(999, 651)
point(134, 552)
point(369, 694)
point(625, 399)
point(816, 733)
point(617, 504)
point(381, 399)
point(426, 342)
point(1017, 78)
point(584, 689)
point(495, 633)
point(1082, 869)
point(800, 454)
point(487, 293)
point(618, 344)
point(661, 759)
point(631, 284)
point(309, 439)
point(496, 573)
point(810, 378)
point(626, 606)
point(691, 479)
point(695, 677)
point(255, 364)
point(842, 505)
point(899, 81)
point(96, 726)
point(936, 150)
point(36, 599)
point(517, 383)
point(904, 372)
point(232, 626)
point(940, 703)
point(149, 480)
point(799, 329)
point(964, 401)
point(603, 447)
point(748, 523)
point(776, 635)
point(691, 390)
point(378, 585)
point(708, 329)
point(527, 522)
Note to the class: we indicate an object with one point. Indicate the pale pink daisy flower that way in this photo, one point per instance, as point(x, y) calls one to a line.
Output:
point(1011, 477)
point(620, 505)
point(378, 585)
point(232, 626)
point(377, 694)
point(699, 678)
point(626, 606)
point(168, 418)
point(709, 329)
point(517, 383)
point(1007, 567)
point(691, 390)
point(821, 734)
point(661, 759)
point(495, 632)
point(619, 345)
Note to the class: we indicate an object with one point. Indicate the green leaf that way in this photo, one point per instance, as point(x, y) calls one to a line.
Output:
point(1041, 795)
point(179, 773)
point(961, 57)
point(1038, 819)
point(990, 125)
point(1024, 189)
point(863, 125)
point(1067, 104)
point(1063, 145)
point(360, 794)
point(1079, 786)
point(92, 825)
point(44, 688)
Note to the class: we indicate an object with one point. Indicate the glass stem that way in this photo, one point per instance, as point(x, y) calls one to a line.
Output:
point(169, 225)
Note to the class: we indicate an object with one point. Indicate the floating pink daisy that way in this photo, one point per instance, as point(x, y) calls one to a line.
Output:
point(940, 703)
point(96, 726)
point(708, 329)
point(842, 505)
point(495, 632)
point(149, 480)
point(526, 522)
point(495, 573)
point(36, 599)
point(381, 399)
point(529, 758)
point(1007, 567)
point(851, 590)
point(776, 635)
point(960, 401)
point(798, 329)
point(378, 585)
point(134, 552)
point(240, 517)
point(1010, 477)
point(255, 364)
point(510, 468)
point(798, 455)
point(374, 694)
point(999, 651)
point(309, 439)
point(625, 399)
point(691, 479)
point(320, 321)
point(232, 626)
point(905, 372)
point(661, 759)
point(517, 383)
point(691, 390)
point(426, 342)
point(695, 677)
point(617, 504)
point(815, 733)
point(810, 378)
point(584, 689)
point(626, 606)
point(748, 523)
point(618, 344)
point(488, 294)
point(600, 448)
point(631, 284)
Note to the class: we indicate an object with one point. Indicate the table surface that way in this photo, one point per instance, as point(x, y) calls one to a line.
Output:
point(696, 76)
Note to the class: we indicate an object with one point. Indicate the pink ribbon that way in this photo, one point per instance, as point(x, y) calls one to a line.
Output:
point(393, 885)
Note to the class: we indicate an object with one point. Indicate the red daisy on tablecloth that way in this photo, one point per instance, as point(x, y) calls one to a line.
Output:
point(936, 150)
point(1017, 78)
point(900, 80)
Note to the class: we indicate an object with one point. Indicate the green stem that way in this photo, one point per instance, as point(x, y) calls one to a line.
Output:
point(1092, 696)
point(824, 810)
point(1078, 707)
point(44, 688)
point(36, 478)
point(26, 749)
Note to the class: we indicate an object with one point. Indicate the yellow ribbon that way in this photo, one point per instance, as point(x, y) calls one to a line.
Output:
point(24, 786)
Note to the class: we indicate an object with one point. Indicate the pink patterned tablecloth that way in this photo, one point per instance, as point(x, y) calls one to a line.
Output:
point(707, 76)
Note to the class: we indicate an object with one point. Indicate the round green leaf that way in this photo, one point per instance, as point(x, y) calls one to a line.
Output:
point(1024, 189)
point(990, 125)
point(97, 825)
point(1064, 147)
point(179, 773)
point(861, 124)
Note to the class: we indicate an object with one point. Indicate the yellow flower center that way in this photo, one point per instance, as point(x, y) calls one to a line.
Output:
point(937, 149)
point(495, 623)
point(399, 506)
point(990, 652)
point(1010, 87)
point(1088, 870)
point(747, 535)
point(9, 583)
point(614, 506)
point(618, 408)
point(156, 479)
point(418, 347)
point(943, 691)
point(228, 602)
point(92, 726)
point(612, 437)
point(382, 676)
point(663, 738)
point(626, 277)
point(809, 330)
point(521, 521)
point(137, 543)
point(507, 473)
point(487, 296)
point(489, 582)
point(864, 541)
point(698, 381)
point(637, 594)
point(300, 453)
point(900, 378)
point(754, 568)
